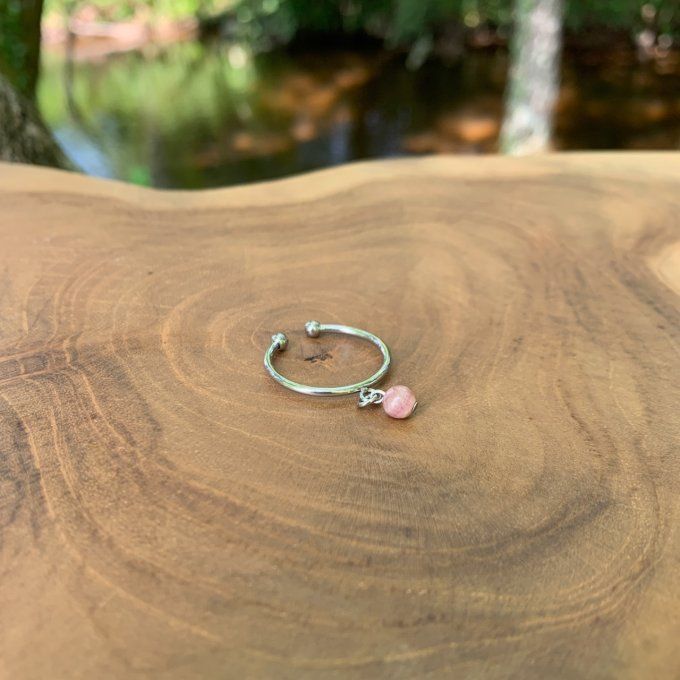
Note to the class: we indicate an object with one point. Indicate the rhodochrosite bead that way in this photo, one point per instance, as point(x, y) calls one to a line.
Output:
point(399, 402)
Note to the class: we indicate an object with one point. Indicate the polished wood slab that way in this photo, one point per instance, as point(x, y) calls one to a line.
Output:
point(168, 511)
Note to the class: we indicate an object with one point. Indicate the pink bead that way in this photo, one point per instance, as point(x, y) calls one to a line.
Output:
point(399, 402)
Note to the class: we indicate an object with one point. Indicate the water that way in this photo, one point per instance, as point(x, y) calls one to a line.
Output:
point(194, 115)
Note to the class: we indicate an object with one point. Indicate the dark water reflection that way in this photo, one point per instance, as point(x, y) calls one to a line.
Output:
point(193, 115)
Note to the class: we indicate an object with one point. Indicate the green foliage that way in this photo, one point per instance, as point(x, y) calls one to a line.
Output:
point(416, 23)
point(120, 10)
point(623, 14)
point(395, 21)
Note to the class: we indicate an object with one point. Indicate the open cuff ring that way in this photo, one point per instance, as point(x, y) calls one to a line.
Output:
point(398, 401)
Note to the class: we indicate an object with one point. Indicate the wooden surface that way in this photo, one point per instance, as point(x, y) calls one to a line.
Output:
point(168, 511)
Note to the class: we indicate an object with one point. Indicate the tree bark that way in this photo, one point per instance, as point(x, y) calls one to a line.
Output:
point(20, 44)
point(24, 138)
point(534, 77)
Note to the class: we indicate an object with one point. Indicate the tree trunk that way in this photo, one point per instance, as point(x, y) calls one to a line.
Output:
point(24, 138)
point(20, 44)
point(534, 77)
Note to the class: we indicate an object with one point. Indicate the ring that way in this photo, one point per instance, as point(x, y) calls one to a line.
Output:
point(398, 401)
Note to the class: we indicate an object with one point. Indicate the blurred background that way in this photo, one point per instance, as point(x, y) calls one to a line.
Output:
point(203, 93)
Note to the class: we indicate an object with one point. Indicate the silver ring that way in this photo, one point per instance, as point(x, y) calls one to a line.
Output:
point(398, 401)
point(313, 330)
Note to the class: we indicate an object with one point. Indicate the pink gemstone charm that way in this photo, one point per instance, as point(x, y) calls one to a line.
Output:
point(399, 402)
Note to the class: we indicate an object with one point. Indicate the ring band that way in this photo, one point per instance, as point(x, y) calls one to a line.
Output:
point(313, 329)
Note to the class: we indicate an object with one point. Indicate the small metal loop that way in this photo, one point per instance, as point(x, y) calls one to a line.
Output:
point(313, 328)
point(368, 395)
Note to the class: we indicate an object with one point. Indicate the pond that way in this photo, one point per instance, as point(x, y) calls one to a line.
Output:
point(193, 114)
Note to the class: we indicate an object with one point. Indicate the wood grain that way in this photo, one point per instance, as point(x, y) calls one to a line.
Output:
point(168, 511)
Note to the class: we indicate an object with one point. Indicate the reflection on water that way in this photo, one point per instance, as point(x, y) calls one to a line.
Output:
point(195, 115)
